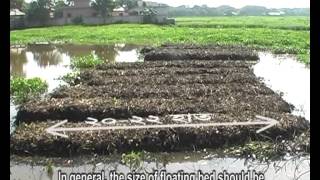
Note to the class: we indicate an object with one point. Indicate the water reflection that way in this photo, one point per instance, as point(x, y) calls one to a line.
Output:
point(45, 55)
point(51, 61)
point(108, 53)
point(17, 60)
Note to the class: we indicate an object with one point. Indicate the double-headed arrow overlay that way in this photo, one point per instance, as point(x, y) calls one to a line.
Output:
point(260, 120)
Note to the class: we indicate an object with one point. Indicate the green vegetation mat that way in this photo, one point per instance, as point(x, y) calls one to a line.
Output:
point(279, 34)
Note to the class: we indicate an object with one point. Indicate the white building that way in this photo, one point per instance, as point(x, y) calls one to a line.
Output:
point(276, 13)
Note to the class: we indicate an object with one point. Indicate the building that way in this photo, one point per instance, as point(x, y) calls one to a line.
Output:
point(119, 12)
point(276, 13)
point(160, 8)
point(81, 12)
point(16, 18)
point(16, 13)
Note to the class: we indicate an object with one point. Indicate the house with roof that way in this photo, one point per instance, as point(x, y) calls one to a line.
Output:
point(159, 8)
point(16, 18)
point(120, 11)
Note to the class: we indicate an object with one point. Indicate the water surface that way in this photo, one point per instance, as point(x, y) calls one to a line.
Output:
point(290, 169)
point(285, 75)
point(50, 62)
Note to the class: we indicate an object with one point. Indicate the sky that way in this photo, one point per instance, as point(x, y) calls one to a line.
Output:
point(237, 3)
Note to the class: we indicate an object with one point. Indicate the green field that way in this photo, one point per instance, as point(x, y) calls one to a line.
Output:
point(290, 23)
point(279, 34)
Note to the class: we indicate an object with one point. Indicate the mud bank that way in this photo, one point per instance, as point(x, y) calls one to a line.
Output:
point(227, 89)
point(192, 52)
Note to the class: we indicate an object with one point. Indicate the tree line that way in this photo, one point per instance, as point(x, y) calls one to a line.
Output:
point(40, 10)
point(231, 11)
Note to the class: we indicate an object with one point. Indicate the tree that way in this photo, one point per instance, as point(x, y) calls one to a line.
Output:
point(253, 10)
point(69, 2)
point(127, 3)
point(16, 4)
point(59, 5)
point(39, 11)
point(25, 6)
point(104, 7)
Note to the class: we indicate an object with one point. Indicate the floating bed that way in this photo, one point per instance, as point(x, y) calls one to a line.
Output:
point(32, 138)
point(227, 89)
point(125, 92)
point(173, 52)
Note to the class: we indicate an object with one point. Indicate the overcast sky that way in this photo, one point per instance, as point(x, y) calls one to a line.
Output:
point(238, 3)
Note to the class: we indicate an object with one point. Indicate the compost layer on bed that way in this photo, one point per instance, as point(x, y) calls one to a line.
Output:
point(157, 89)
point(32, 139)
point(228, 89)
point(192, 52)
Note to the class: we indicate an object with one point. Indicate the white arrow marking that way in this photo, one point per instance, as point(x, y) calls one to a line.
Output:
point(259, 121)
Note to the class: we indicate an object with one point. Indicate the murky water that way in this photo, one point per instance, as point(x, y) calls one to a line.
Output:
point(50, 62)
point(291, 169)
point(282, 73)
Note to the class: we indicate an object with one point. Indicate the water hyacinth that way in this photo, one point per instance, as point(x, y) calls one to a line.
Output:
point(89, 61)
point(22, 89)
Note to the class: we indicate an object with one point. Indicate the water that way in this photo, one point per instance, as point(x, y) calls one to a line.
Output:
point(297, 168)
point(13, 112)
point(52, 61)
point(282, 73)
point(49, 62)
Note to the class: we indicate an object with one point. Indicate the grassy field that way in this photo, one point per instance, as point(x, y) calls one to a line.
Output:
point(290, 23)
point(279, 34)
